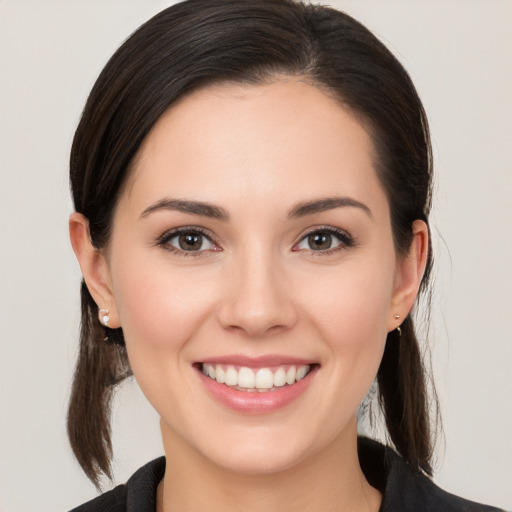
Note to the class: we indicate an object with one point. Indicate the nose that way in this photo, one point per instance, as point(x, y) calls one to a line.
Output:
point(258, 300)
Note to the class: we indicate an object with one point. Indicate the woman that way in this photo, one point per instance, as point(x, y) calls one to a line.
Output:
point(252, 183)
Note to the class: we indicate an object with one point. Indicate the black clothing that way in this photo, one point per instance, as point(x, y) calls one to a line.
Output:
point(403, 490)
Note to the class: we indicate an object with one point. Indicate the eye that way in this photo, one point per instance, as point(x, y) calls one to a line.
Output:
point(187, 241)
point(324, 240)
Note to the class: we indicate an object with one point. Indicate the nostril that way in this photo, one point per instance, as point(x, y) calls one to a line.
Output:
point(269, 319)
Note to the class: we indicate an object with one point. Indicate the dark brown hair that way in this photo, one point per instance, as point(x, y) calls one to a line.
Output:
point(200, 42)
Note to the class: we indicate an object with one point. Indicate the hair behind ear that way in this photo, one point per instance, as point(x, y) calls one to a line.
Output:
point(403, 397)
point(101, 365)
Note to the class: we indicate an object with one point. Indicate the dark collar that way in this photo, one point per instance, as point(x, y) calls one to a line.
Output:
point(403, 489)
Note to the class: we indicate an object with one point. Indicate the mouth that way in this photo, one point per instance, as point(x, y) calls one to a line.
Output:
point(256, 386)
point(262, 380)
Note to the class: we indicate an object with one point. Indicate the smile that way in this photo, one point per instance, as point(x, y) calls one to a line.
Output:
point(256, 386)
point(256, 380)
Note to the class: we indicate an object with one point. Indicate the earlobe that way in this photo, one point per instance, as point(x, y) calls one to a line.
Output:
point(94, 267)
point(410, 270)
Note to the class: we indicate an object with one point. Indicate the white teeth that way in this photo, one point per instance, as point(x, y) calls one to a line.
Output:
point(279, 378)
point(220, 375)
point(231, 377)
point(263, 380)
point(290, 375)
point(301, 372)
point(246, 378)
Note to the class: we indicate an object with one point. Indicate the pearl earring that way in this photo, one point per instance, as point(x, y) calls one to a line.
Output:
point(104, 318)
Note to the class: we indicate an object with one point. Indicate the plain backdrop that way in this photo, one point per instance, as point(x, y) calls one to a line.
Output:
point(459, 55)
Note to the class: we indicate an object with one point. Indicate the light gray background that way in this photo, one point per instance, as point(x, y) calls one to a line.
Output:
point(459, 55)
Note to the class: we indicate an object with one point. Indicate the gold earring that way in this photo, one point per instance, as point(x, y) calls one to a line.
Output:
point(397, 317)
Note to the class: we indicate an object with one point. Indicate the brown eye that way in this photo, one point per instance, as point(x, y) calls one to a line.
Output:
point(325, 240)
point(190, 242)
point(320, 241)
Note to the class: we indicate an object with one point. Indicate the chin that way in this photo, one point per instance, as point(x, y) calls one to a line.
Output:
point(258, 460)
point(265, 449)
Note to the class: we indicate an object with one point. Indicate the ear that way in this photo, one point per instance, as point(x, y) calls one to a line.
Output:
point(409, 272)
point(94, 266)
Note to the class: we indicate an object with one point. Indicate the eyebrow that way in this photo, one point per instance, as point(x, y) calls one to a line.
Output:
point(186, 206)
point(327, 203)
point(216, 212)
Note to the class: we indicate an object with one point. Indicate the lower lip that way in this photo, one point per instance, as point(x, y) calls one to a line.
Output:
point(256, 402)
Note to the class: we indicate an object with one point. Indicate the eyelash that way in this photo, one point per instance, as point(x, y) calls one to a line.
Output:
point(346, 241)
point(164, 240)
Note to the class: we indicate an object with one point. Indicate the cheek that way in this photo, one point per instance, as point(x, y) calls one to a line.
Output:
point(353, 302)
point(161, 311)
point(160, 308)
point(351, 312)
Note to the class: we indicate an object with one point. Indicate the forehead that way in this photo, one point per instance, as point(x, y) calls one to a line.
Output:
point(251, 142)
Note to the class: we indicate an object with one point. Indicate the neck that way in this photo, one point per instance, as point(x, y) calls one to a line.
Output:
point(329, 480)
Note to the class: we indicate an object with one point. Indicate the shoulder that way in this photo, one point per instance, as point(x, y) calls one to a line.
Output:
point(404, 489)
point(139, 493)
point(110, 501)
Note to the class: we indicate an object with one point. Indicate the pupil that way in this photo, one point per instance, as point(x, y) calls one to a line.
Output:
point(320, 241)
point(190, 242)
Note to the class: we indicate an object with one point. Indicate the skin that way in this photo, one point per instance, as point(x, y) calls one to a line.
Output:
point(257, 288)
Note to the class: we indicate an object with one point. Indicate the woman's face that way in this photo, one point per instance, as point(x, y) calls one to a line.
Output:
point(253, 242)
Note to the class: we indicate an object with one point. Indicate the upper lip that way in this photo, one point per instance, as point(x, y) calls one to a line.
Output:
point(257, 362)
